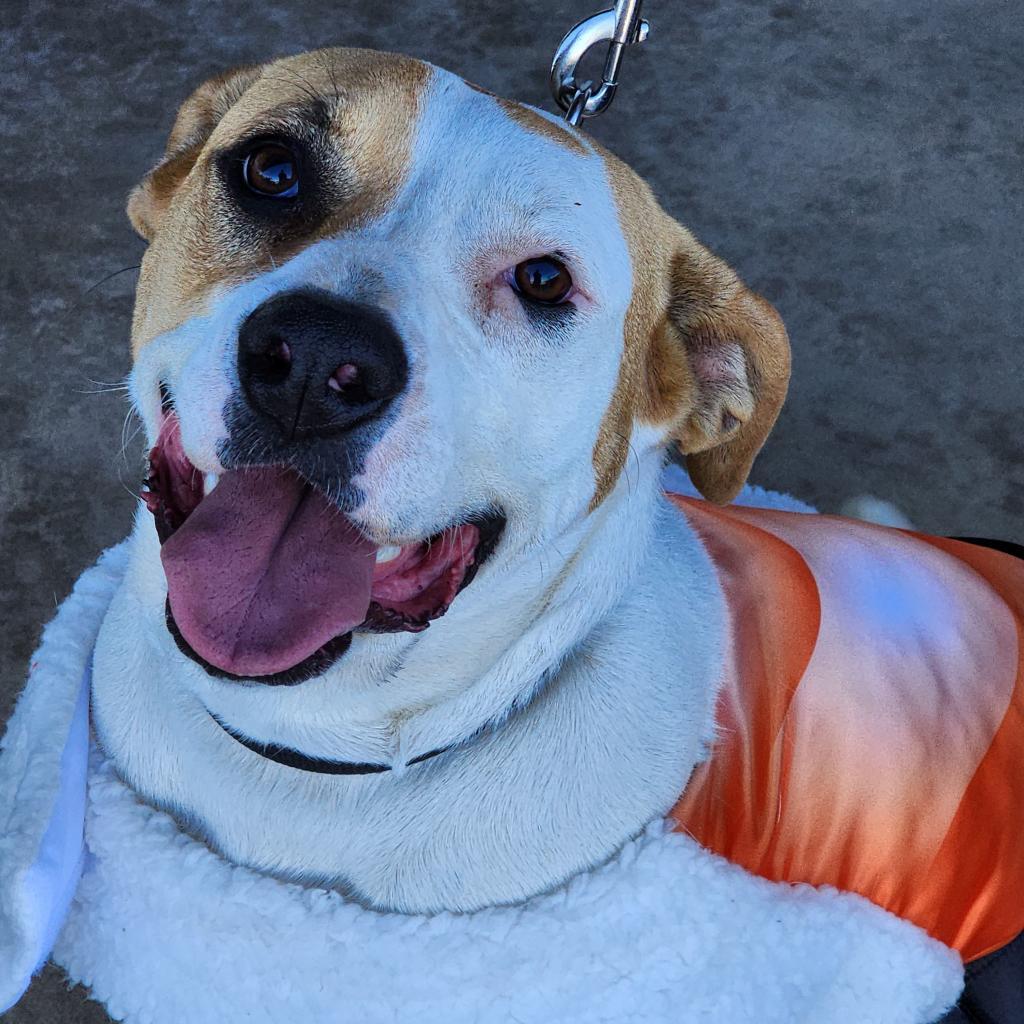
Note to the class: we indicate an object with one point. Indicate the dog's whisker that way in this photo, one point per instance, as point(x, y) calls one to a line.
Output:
point(97, 391)
point(104, 280)
point(298, 81)
point(102, 387)
point(628, 441)
point(332, 75)
point(135, 493)
point(313, 91)
point(125, 439)
point(125, 442)
point(636, 459)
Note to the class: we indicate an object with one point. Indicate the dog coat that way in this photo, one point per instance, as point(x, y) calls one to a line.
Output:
point(871, 720)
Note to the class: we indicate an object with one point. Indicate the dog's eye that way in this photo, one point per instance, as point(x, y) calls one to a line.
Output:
point(543, 279)
point(270, 169)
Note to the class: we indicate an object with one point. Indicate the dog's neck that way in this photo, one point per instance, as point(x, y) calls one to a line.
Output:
point(510, 637)
point(575, 689)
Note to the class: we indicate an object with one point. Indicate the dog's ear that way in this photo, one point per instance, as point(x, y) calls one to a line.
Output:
point(737, 355)
point(196, 119)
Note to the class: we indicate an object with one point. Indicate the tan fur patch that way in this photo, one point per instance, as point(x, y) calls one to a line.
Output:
point(370, 104)
point(653, 374)
point(689, 321)
point(532, 121)
point(479, 88)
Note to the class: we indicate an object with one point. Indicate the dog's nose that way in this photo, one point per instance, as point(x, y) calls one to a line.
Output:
point(318, 365)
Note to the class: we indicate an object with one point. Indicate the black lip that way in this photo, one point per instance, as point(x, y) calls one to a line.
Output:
point(309, 668)
point(378, 620)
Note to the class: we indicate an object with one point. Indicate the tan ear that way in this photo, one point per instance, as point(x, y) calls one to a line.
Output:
point(738, 354)
point(196, 119)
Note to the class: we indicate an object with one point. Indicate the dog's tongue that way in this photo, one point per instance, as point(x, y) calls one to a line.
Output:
point(264, 572)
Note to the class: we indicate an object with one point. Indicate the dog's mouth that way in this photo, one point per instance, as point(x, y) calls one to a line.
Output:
point(267, 579)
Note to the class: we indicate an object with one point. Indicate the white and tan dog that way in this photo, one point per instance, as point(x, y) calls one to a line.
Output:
point(409, 620)
point(472, 328)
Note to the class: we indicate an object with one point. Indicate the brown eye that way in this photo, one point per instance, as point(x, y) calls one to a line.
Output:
point(543, 279)
point(271, 169)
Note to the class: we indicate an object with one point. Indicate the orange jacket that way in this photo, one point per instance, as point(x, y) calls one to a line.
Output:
point(871, 721)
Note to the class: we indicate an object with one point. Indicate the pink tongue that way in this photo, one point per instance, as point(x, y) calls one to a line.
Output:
point(264, 572)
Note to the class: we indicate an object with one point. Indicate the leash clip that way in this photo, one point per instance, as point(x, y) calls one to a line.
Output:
point(620, 26)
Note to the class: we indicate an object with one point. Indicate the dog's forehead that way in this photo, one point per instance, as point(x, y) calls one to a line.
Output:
point(508, 178)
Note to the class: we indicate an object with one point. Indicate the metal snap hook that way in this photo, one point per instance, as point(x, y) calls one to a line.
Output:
point(574, 114)
point(620, 26)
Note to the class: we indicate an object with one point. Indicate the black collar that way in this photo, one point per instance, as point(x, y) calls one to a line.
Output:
point(304, 763)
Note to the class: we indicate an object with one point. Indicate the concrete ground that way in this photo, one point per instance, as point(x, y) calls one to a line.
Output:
point(860, 163)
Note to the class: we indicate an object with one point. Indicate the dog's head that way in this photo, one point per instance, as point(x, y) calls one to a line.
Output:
point(398, 321)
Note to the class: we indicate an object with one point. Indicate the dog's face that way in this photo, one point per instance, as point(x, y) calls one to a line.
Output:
point(398, 323)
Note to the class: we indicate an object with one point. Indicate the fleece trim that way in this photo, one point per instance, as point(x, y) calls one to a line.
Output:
point(163, 930)
point(43, 760)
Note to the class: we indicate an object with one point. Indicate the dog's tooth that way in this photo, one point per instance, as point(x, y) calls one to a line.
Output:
point(388, 553)
point(209, 482)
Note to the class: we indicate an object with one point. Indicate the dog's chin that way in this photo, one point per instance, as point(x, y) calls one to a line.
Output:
point(268, 580)
point(309, 668)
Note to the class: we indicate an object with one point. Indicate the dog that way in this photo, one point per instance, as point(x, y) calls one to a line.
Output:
point(407, 613)
point(324, 205)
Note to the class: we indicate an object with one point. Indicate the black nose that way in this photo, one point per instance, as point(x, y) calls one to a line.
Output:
point(318, 365)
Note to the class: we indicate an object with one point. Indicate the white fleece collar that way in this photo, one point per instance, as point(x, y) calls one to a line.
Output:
point(164, 930)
